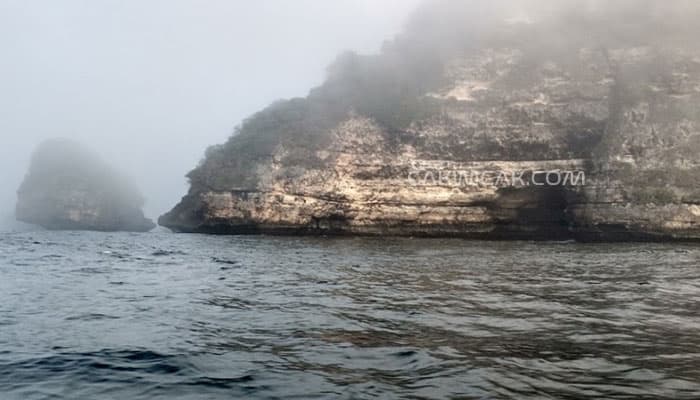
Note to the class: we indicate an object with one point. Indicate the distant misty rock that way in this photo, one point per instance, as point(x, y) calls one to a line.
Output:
point(70, 188)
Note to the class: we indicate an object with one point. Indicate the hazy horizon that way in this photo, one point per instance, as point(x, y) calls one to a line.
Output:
point(149, 86)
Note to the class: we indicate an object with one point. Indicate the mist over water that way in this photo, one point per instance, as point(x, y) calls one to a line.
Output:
point(150, 85)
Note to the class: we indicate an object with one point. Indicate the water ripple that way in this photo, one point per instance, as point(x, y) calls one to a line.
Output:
point(158, 316)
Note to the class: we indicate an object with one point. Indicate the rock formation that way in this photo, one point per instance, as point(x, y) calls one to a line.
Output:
point(69, 188)
point(603, 99)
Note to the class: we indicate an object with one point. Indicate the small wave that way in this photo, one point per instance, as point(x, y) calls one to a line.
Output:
point(91, 270)
point(116, 254)
point(91, 317)
point(224, 261)
point(224, 383)
point(164, 253)
point(230, 302)
point(89, 365)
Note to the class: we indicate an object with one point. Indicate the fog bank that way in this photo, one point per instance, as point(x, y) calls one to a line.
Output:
point(149, 85)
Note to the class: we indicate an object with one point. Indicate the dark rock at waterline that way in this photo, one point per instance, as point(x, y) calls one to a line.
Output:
point(70, 188)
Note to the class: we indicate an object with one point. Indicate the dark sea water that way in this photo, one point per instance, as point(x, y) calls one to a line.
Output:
point(164, 316)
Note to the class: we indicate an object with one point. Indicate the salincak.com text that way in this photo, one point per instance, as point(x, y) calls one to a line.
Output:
point(470, 178)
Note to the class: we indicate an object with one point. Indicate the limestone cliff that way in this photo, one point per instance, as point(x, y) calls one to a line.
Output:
point(69, 188)
point(575, 123)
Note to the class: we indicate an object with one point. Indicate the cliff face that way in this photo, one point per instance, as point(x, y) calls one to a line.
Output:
point(68, 188)
point(562, 128)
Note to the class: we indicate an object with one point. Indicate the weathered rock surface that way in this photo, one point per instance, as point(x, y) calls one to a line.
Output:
point(68, 188)
point(376, 149)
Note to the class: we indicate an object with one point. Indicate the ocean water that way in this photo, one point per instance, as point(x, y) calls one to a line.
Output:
point(165, 316)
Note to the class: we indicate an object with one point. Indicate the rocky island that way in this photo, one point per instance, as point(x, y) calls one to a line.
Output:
point(592, 118)
point(70, 188)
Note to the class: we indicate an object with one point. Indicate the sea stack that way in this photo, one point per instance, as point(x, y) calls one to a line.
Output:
point(69, 187)
point(516, 120)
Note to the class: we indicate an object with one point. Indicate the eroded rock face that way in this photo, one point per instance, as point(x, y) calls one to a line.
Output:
point(69, 188)
point(619, 121)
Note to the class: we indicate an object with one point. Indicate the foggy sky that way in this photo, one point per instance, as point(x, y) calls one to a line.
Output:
point(150, 84)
